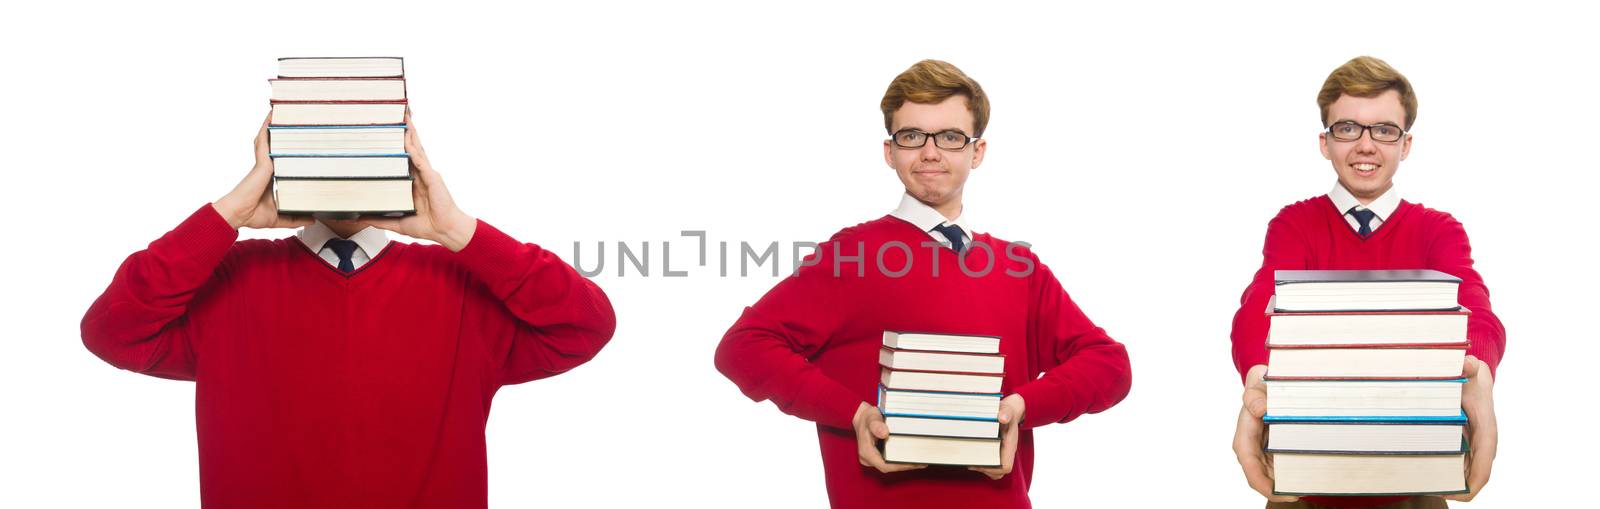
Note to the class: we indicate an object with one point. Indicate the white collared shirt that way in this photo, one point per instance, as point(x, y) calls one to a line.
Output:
point(913, 211)
point(370, 240)
point(1384, 206)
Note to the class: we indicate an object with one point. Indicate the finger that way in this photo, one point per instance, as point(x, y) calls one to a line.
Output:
point(992, 473)
point(1255, 402)
point(382, 223)
point(889, 468)
point(262, 144)
point(1255, 473)
point(1481, 461)
point(879, 429)
point(294, 221)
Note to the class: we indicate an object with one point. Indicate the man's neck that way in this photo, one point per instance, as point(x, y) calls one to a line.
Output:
point(950, 209)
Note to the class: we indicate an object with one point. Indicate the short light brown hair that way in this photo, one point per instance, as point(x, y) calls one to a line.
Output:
point(931, 82)
point(1366, 76)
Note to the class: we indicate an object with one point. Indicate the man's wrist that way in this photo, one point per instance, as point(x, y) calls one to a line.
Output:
point(459, 233)
point(228, 213)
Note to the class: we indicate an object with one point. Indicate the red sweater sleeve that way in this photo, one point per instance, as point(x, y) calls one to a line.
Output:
point(1451, 253)
point(558, 319)
point(765, 351)
point(1285, 249)
point(1085, 371)
point(141, 323)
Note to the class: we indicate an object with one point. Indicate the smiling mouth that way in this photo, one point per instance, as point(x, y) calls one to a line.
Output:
point(1365, 169)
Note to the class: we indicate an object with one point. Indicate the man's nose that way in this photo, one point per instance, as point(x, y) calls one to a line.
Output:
point(1365, 144)
point(931, 151)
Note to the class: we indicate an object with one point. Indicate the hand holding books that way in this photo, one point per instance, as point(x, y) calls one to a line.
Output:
point(437, 218)
point(1249, 436)
point(870, 428)
point(1012, 411)
point(1477, 399)
point(250, 204)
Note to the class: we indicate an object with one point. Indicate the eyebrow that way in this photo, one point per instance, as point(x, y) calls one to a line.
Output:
point(1381, 122)
point(956, 129)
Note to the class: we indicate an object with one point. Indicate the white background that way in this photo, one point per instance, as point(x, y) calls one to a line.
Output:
point(1140, 148)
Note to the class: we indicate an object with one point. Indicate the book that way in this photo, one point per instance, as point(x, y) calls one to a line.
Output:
point(1437, 362)
point(942, 450)
point(341, 167)
point(337, 113)
point(338, 89)
point(941, 342)
point(940, 405)
point(1364, 290)
point(1373, 328)
point(1368, 474)
point(1366, 437)
point(344, 197)
point(1366, 398)
point(921, 360)
point(929, 426)
point(349, 67)
point(939, 381)
point(372, 140)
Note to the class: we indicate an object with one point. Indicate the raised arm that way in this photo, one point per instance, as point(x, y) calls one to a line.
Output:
point(140, 323)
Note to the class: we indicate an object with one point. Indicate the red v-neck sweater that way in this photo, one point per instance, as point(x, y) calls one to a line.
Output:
point(1313, 235)
point(314, 388)
point(811, 346)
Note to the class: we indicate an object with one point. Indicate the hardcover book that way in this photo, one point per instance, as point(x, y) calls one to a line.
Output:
point(1365, 290)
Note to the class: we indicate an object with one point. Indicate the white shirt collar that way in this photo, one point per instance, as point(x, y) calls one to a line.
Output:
point(1384, 206)
point(371, 240)
point(913, 211)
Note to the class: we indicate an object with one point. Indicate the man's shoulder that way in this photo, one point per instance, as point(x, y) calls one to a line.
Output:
point(1309, 207)
point(1426, 215)
point(877, 230)
point(259, 248)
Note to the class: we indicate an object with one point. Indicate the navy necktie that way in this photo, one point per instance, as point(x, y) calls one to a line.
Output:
point(1364, 217)
point(954, 233)
point(344, 248)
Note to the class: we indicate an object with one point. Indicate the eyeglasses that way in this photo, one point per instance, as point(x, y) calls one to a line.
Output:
point(1351, 131)
point(949, 139)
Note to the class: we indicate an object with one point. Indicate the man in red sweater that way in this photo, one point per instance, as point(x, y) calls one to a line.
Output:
point(1362, 224)
point(811, 343)
point(338, 369)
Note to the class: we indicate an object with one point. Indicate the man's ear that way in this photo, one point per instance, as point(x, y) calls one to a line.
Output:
point(978, 148)
point(1405, 147)
point(1322, 142)
point(888, 154)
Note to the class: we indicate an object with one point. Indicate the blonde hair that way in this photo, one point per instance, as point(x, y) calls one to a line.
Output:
point(931, 82)
point(1366, 76)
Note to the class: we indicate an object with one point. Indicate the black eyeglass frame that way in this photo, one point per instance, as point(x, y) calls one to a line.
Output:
point(1366, 130)
point(895, 139)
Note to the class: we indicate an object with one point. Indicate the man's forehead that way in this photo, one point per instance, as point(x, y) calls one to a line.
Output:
point(1384, 107)
point(951, 113)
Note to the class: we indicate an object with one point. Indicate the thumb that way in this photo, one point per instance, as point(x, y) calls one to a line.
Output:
point(1469, 368)
point(1257, 407)
point(382, 223)
point(879, 429)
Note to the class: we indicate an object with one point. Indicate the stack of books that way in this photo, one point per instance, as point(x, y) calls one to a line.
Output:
point(940, 396)
point(337, 137)
point(1363, 383)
